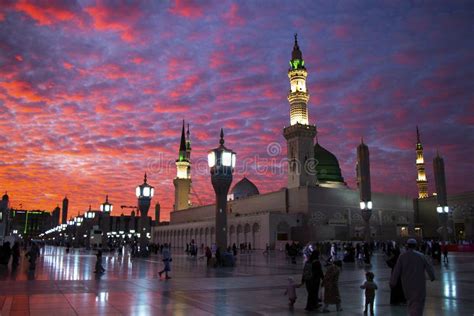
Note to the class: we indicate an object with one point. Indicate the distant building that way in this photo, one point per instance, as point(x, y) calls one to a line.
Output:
point(64, 210)
point(29, 224)
point(4, 217)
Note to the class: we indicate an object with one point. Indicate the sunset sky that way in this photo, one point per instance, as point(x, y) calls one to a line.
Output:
point(92, 94)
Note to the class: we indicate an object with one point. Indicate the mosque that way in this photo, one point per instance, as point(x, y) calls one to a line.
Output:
point(316, 204)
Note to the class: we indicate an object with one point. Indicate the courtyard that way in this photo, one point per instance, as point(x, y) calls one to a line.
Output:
point(64, 284)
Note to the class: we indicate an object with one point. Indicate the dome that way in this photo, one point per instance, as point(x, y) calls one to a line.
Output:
point(244, 188)
point(5, 197)
point(328, 167)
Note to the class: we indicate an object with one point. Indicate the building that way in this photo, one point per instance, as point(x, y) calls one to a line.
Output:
point(29, 223)
point(316, 204)
point(5, 218)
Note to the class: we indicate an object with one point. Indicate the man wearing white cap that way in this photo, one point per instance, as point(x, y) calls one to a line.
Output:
point(411, 267)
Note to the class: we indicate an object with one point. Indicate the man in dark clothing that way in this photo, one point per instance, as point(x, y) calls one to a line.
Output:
point(312, 276)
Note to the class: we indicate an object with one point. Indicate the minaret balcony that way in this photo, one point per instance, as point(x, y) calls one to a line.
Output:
point(298, 96)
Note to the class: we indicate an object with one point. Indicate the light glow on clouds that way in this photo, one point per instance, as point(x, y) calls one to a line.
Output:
point(92, 94)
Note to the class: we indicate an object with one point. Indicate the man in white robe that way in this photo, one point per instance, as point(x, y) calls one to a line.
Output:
point(411, 267)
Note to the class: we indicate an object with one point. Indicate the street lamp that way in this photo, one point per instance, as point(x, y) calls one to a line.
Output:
point(106, 207)
point(222, 163)
point(144, 193)
point(442, 197)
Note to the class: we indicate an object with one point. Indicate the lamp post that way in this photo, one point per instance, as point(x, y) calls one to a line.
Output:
point(89, 215)
point(441, 196)
point(105, 209)
point(222, 163)
point(144, 193)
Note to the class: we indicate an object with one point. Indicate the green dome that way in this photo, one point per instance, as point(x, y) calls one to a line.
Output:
point(328, 166)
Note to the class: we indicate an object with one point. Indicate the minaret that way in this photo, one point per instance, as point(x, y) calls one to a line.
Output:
point(182, 182)
point(363, 173)
point(421, 181)
point(64, 211)
point(440, 181)
point(300, 134)
point(157, 213)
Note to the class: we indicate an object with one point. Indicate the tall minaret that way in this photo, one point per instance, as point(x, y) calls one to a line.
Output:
point(421, 181)
point(64, 211)
point(182, 182)
point(440, 181)
point(300, 134)
point(363, 173)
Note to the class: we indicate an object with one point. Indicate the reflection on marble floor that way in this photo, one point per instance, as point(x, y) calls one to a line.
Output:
point(64, 284)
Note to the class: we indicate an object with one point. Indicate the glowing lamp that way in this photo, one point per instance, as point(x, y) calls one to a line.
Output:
point(446, 209)
point(362, 205)
point(145, 190)
point(369, 205)
point(439, 209)
point(221, 157)
point(106, 207)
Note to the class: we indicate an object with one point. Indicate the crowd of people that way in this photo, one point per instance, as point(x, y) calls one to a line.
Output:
point(13, 253)
point(407, 280)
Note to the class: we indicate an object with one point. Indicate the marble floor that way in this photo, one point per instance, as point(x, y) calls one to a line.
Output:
point(64, 284)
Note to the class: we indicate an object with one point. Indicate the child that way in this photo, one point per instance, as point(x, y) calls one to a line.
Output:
point(331, 287)
point(98, 264)
point(291, 291)
point(370, 288)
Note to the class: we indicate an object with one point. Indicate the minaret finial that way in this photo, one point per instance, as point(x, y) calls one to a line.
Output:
point(187, 132)
point(296, 39)
point(144, 179)
point(107, 198)
point(182, 144)
point(222, 137)
point(417, 135)
point(90, 207)
point(362, 140)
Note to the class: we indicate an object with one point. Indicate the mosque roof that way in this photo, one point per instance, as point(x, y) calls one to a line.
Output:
point(244, 188)
point(327, 167)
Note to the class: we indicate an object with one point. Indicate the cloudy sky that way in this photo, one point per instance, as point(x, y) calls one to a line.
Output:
point(92, 94)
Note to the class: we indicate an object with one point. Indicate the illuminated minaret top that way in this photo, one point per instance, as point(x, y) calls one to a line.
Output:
point(298, 96)
point(182, 182)
point(183, 163)
point(421, 181)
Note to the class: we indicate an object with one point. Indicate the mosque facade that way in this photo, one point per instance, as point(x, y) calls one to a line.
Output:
point(315, 205)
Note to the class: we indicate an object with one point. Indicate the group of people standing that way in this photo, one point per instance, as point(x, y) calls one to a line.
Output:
point(313, 278)
point(14, 253)
point(407, 282)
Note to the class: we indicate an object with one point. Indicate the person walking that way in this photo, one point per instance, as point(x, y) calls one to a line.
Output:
point(445, 253)
point(98, 263)
point(396, 293)
point(33, 254)
point(291, 292)
point(5, 253)
point(166, 261)
point(369, 286)
point(331, 288)
point(312, 276)
point(411, 267)
point(15, 254)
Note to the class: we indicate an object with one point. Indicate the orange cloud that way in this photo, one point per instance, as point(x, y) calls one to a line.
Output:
point(22, 90)
point(117, 19)
point(44, 14)
point(187, 8)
